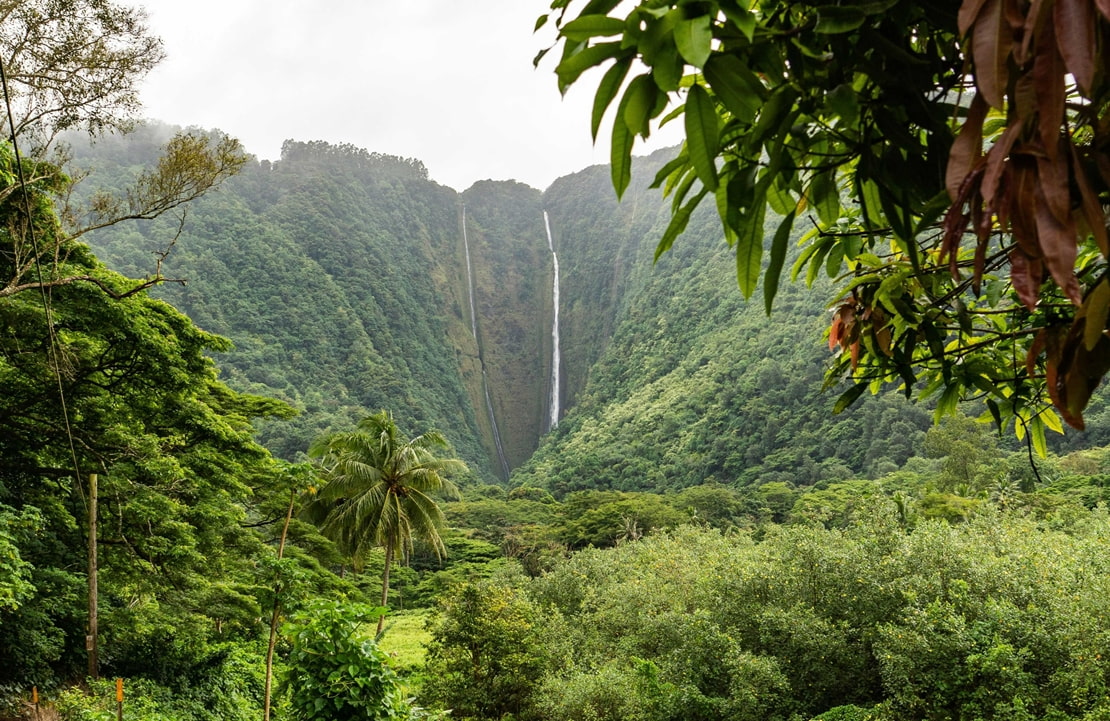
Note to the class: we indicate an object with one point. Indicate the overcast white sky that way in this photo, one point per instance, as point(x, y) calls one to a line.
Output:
point(449, 82)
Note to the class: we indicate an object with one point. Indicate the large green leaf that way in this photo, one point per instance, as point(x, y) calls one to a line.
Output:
point(836, 19)
point(637, 105)
point(578, 62)
point(848, 397)
point(606, 91)
point(749, 247)
point(702, 134)
point(694, 38)
point(736, 86)
point(825, 197)
point(620, 151)
point(773, 273)
point(743, 19)
point(590, 26)
point(679, 220)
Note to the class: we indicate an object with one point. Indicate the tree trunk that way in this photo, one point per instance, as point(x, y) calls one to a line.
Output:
point(276, 614)
point(385, 582)
point(91, 640)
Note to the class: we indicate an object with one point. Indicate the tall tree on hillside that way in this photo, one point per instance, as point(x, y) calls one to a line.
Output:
point(77, 64)
point(380, 488)
point(73, 64)
point(98, 377)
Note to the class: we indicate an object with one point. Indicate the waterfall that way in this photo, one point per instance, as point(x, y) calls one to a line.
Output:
point(554, 327)
point(469, 280)
point(481, 361)
point(493, 423)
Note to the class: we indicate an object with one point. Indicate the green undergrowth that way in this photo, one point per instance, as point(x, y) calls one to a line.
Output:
point(406, 640)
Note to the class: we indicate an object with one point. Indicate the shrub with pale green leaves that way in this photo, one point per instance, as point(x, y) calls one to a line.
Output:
point(336, 670)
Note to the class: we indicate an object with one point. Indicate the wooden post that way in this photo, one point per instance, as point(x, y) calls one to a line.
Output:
point(35, 701)
point(91, 638)
point(119, 699)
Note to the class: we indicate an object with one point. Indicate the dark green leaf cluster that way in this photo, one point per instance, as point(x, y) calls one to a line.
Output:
point(843, 116)
point(182, 483)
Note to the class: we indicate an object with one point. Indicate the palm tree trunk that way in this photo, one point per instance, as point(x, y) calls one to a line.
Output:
point(385, 582)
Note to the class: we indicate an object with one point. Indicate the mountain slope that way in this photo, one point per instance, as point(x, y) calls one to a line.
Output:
point(346, 280)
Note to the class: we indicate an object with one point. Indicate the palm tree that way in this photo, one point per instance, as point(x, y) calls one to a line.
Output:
point(379, 488)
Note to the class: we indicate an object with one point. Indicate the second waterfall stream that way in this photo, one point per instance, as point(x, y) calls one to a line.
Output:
point(474, 329)
point(554, 327)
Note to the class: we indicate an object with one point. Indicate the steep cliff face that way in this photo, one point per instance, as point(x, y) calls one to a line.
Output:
point(509, 271)
point(341, 277)
point(678, 380)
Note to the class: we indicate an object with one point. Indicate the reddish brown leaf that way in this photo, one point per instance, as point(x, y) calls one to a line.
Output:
point(1002, 204)
point(1076, 390)
point(1092, 209)
point(1075, 34)
point(843, 327)
point(1022, 192)
point(969, 10)
point(991, 40)
point(982, 219)
point(1049, 83)
point(980, 265)
point(1052, 348)
point(1058, 245)
point(1080, 369)
point(835, 330)
point(996, 162)
point(1023, 100)
point(955, 223)
point(1021, 277)
point(1035, 349)
point(1056, 373)
point(1055, 186)
point(1013, 11)
point(967, 148)
point(1034, 20)
point(1036, 271)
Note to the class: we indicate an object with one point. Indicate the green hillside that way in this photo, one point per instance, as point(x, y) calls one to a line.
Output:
point(340, 275)
point(682, 381)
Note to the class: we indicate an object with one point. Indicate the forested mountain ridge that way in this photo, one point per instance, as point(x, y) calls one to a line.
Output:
point(342, 278)
point(333, 272)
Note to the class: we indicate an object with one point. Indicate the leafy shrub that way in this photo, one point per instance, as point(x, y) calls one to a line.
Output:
point(337, 672)
point(229, 690)
point(485, 655)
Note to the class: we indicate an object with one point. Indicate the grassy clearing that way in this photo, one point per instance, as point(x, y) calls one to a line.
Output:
point(406, 641)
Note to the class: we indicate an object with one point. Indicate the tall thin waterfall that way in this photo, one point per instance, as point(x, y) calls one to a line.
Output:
point(493, 423)
point(481, 360)
point(554, 328)
point(469, 280)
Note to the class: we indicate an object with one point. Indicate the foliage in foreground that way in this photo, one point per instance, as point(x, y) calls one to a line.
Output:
point(336, 670)
point(999, 618)
point(967, 273)
point(486, 654)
